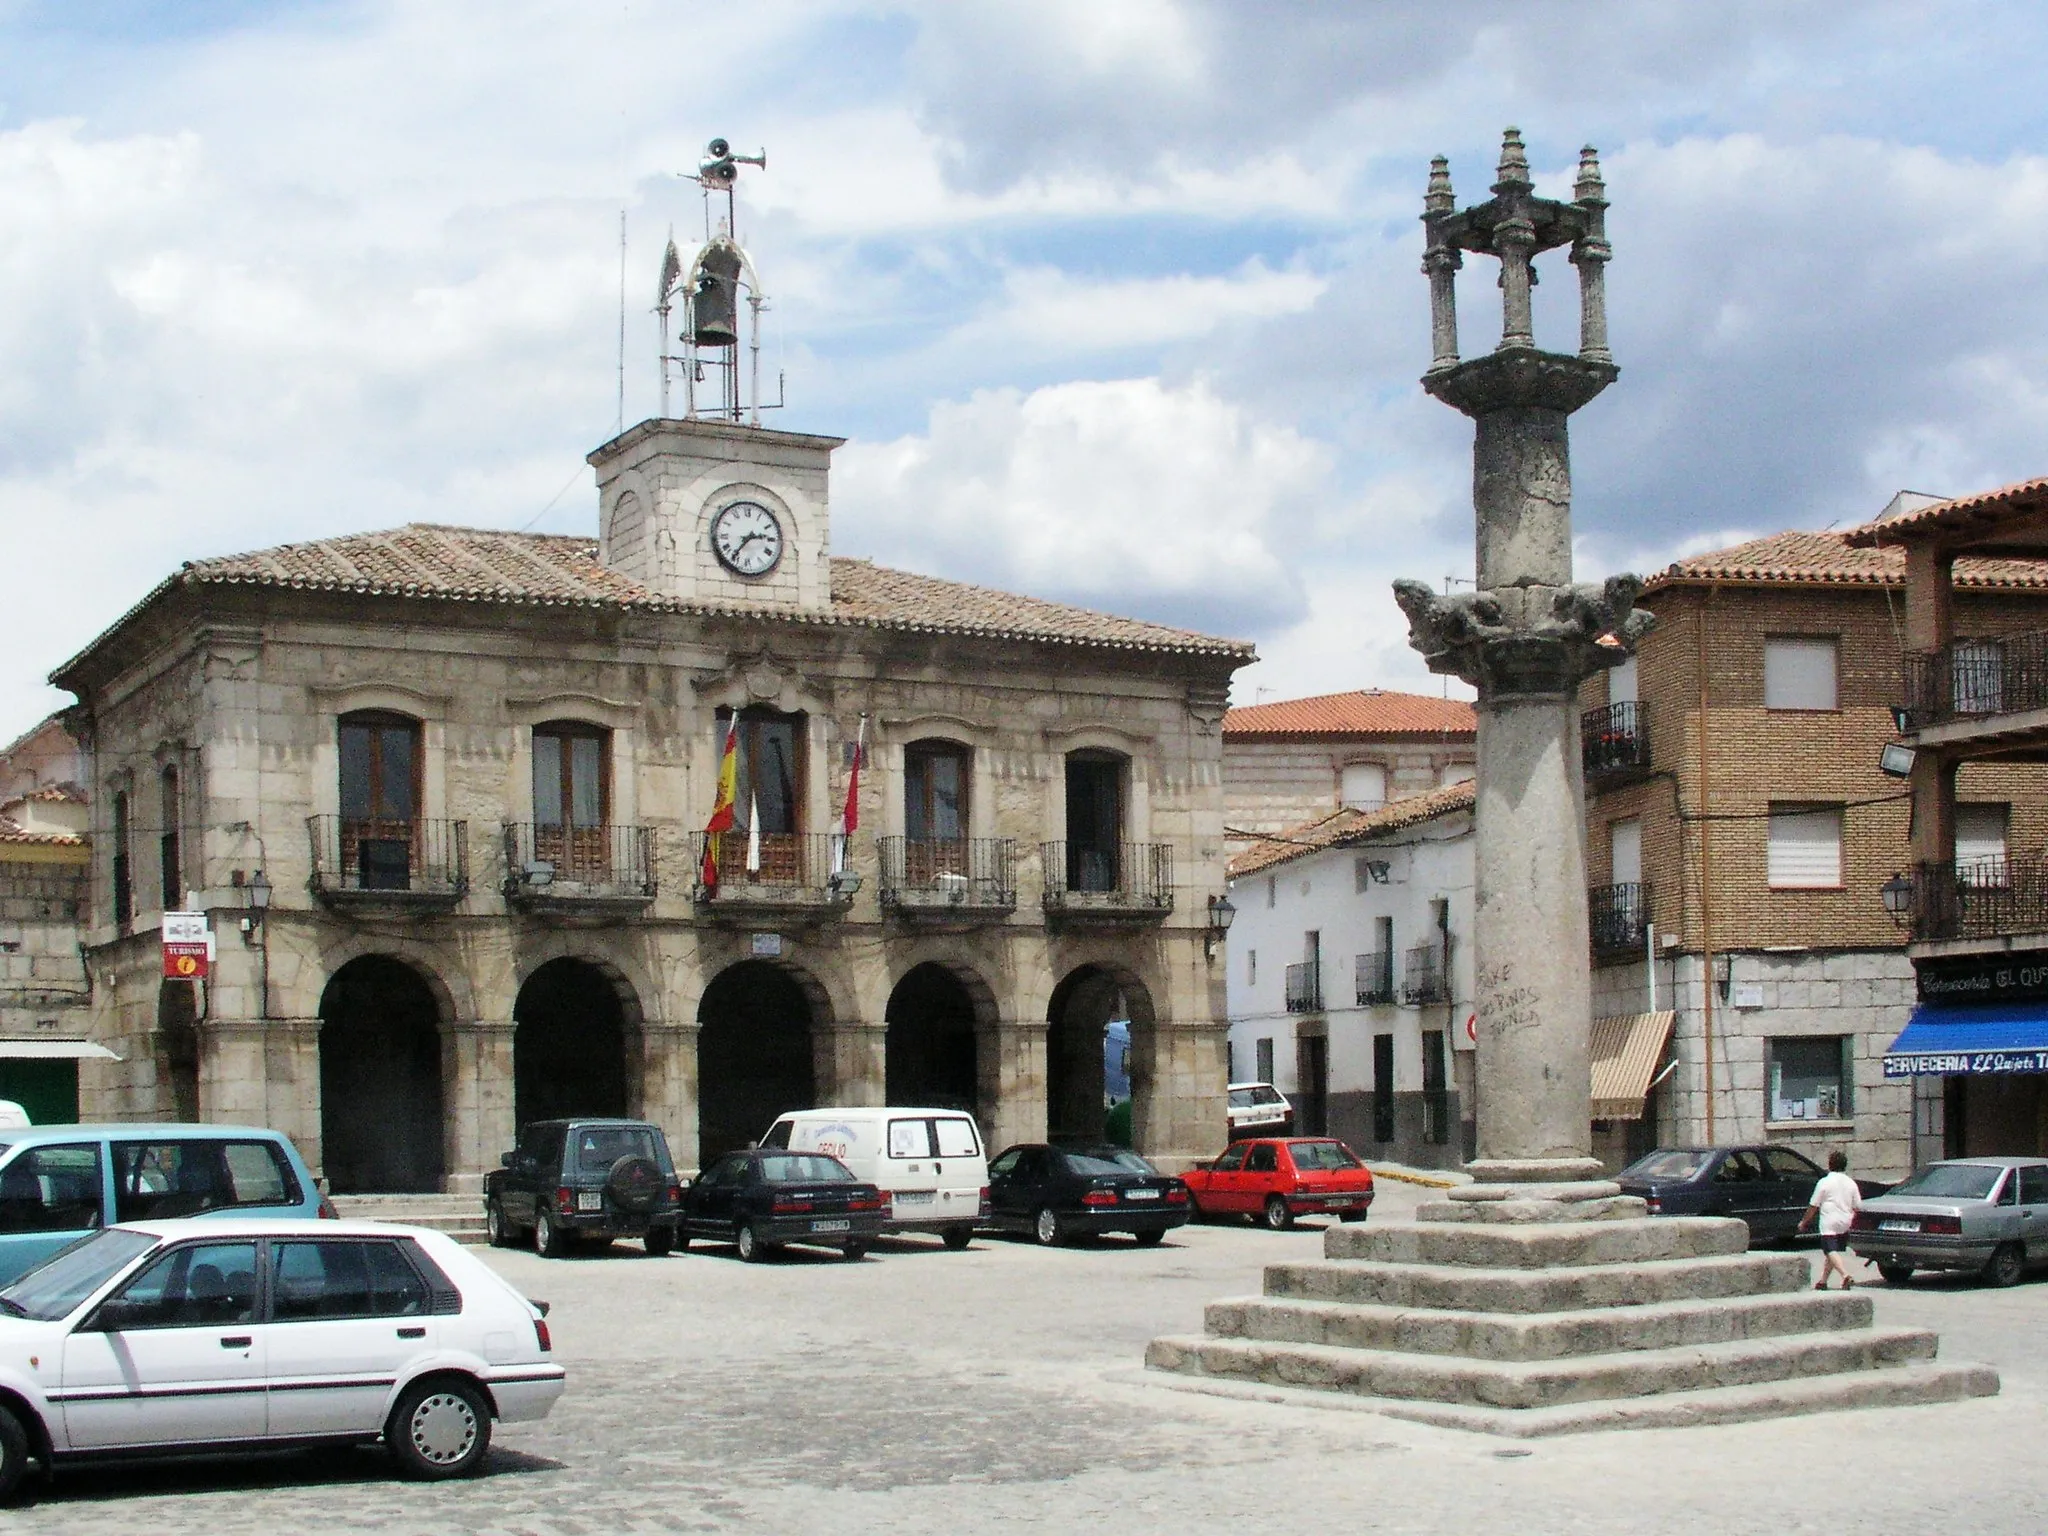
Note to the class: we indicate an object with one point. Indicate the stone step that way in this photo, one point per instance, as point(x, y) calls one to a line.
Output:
point(1458, 1288)
point(1538, 1246)
point(1895, 1386)
point(460, 1216)
point(1540, 1336)
point(1542, 1384)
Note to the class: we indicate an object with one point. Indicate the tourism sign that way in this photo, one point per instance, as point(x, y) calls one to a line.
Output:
point(187, 946)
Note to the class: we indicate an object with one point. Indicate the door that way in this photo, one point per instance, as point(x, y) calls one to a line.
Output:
point(537, 1158)
point(2034, 1210)
point(380, 797)
point(345, 1318)
point(177, 1357)
point(1795, 1177)
point(1742, 1187)
point(959, 1166)
point(1312, 1080)
point(1220, 1180)
point(1261, 1177)
point(48, 1197)
point(1006, 1176)
point(1094, 821)
point(1382, 1088)
point(715, 1201)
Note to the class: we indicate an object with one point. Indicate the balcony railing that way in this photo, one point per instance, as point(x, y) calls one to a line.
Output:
point(1618, 917)
point(578, 868)
point(1422, 975)
point(364, 862)
point(949, 877)
point(1375, 978)
point(1973, 679)
point(1305, 987)
point(776, 872)
point(1981, 898)
point(1115, 881)
point(1615, 741)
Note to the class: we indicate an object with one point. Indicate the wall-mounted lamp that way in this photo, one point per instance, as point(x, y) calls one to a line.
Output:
point(1221, 915)
point(1902, 720)
point(1898, 899)
point(845, 883)
point(256, 898)
point(1896, 759)
point(1724, 975)
point(539, 874)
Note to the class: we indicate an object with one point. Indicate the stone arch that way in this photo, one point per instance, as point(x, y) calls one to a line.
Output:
point(758, 1026)
point(382, 1110)
point(1089, 1000)
point(440, 972)
point(936, 1019)
point(575, 1030)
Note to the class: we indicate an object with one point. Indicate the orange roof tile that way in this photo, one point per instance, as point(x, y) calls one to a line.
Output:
point(1798, 558)
point(2021, 496)
point(1366, 712)
point(12, 831)
point(1347, 828)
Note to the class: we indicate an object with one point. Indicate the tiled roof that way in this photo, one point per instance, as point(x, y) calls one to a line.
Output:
point(1343, 829)
point(1366, 712)
point(57, 794)
point(2022, 496)
point(479, 565)
point(12, 832)
point(1830, 558)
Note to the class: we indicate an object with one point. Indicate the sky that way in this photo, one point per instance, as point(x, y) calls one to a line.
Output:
point(1116, 303)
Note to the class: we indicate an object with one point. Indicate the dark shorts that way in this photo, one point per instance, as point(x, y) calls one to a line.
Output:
point(1837, 1243)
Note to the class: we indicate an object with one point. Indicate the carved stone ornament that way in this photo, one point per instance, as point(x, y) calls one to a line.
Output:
point(1526, 641)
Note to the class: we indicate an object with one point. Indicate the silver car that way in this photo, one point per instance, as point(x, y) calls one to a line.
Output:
point(1988, 1214)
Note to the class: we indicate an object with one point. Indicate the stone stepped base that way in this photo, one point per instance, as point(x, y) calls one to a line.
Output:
point(460, 1216)
point(1458, 1288)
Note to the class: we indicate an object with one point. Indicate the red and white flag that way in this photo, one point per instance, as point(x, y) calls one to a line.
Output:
point(849, 816)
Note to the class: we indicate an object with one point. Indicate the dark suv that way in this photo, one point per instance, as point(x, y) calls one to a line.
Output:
point(569, 1181)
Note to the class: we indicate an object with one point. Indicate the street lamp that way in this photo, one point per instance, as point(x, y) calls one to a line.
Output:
point(1221, 915)
point(1898, 899)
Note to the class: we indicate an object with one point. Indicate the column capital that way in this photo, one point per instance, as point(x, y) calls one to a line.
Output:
point(1525, 642)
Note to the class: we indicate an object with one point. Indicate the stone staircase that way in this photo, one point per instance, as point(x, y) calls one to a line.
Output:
point(460, 1216)
point(1553, 1328)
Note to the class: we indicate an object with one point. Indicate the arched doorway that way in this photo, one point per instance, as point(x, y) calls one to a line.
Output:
point(568, 1044)
point(380, 1080)
point(1077, 1073)
point(929, 1056)
point(753, 1055)
point(177, 1044)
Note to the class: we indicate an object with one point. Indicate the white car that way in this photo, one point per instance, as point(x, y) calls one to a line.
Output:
point(1259, 1109)
point(174, 1336)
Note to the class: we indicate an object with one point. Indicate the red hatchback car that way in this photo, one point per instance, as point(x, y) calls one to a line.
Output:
point(1277, 1179)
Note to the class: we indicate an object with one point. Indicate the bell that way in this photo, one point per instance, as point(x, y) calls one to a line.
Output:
point(714, 306)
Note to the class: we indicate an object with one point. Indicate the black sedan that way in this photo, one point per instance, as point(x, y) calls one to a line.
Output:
point(1058, 1194)
point(761, 1198)
point(1766, 1187)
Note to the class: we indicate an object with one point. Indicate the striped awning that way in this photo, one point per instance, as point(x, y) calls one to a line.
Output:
point(1627, 1050)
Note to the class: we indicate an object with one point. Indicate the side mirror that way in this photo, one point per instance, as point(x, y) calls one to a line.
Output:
point(507, 1159)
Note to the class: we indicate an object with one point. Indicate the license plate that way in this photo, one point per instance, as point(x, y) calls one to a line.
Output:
point(831, 1226)
point(1338, 1200)
point(915, 1196)
point(590, 1200)
point(1141, 1194)
point(1898, 1226)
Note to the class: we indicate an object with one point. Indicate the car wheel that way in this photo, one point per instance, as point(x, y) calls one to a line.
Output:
point(749, 1246)
point(658, 1241)
point(549, 1240)
point(1151, 1237)
point(495, 1225)
point(441, 1428)
point(2007, 1267)
point(957, 1238)
point(1278, 1217)
point(14, 1450)
point(1194, 1211)
point(1895, 1274)
point(854, 1251)
point(1045, 1226)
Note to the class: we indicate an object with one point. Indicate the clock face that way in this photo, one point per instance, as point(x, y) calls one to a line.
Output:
point(747, 539)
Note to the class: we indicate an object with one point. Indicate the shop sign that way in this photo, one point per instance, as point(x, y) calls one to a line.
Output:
point(1983, 979)
point(188, 945)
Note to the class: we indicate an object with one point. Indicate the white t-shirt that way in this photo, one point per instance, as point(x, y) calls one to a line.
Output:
point(1839, 1200)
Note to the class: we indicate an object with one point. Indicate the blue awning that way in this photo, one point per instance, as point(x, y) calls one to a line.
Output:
point(1949, 1042)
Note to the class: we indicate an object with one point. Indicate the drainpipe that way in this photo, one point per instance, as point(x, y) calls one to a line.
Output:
point(1706, 871)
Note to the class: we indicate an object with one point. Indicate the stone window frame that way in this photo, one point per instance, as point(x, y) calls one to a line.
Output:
point(619, 718)
point(430, 710)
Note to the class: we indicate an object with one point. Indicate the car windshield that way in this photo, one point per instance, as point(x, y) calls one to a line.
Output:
point(55, 1287)
point(1322, 1156)
point(599, 1146)
point(1104, 1161)
point(804, 1168)
point(1667, 1165)
point(1950, 1181)
point(1246, 1098)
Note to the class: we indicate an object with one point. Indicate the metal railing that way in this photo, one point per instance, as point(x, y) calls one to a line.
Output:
point(1128, 877)
point(942, 873)
point(1305, 987)
point(1614, 740)
point(1970, 679)
point(800, 868)
point(360, 856)
point(566, 864)
point(1422, 975)
point(1618, 916)
point(1375, 978)
point(1981, 898)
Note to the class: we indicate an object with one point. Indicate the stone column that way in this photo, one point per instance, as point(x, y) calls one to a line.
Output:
point(477, 1110)
point(1172, 1091)
point(668, 1086)
point(850, 1064)
point(1010, 1065)
point(291, 1078)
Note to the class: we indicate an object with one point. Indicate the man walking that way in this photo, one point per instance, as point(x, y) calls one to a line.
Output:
point(1836, 1200)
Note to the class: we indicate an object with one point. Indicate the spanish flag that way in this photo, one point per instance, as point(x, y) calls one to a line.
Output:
point(722, 813)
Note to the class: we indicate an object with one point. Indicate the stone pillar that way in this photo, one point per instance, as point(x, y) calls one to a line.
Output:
point(291, 1079)
point(1174, 1067)
point(1590, 253)
point(1010, 1063)
point(477, 1110)
point(668, 1086)
point(850, 1063)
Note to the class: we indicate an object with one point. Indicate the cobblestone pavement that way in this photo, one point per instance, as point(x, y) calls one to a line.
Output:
point(997, 1389)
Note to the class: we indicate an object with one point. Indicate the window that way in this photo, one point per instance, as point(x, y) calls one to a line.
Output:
point(1272, 892)
point(935, 782)
point(1251, 967)
point(124, 891)
point(345, 1279)
point(157, 1180)
point(1621, 683)
point(380, 795)
point(203, 1285)
point(1625, 851)
point(1980, 842)
point(1262, 1159)
point(1382, 1087)
point(1455, 773)
point(1799, 674)
point(778, 1134)
point(1787, 1164)
point(1977, 676)
point(1436, 1093)
point(1231, 1160)
point(571, 775)
point(1262, 1060)
point(1362, 786)
point(770, 764)
point(170, 869)
point(910, 1138)
point(51, 1189)
point(1095, 820)
point(2034, 1184)
point(1805, 848)
point(1006, 1165)
point(1808, 1078)
point(1739, 1168)
point(956, 1138)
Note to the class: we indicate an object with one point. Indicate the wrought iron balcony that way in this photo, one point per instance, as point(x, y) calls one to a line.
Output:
point(600, 871)
point(1976, 680)
point(1117, 882)
point(1375, 978)
point(1618, 917)
point(960, 877)
point(363, 863)
point(1422, 975)
point(777, 873)
point(1980, 898)
point(1614, 742)
point(1305, 987)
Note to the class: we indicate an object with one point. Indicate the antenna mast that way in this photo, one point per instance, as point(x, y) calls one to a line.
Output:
point(710, 289)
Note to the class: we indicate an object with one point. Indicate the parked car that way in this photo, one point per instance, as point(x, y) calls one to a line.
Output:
point(1765, 1187)
point(570, 1182)
point(59, 1182)
point(1058, 1194)
point(930, 1163)
point(1275, 1180)
point(164, 1337)
point(762, 1198)
point(1258, 1109)
point(1988, 1214)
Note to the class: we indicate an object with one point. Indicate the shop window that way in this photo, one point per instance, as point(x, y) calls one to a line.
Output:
point(1808, 1078)
point(1800, 674)
point(1805, 849)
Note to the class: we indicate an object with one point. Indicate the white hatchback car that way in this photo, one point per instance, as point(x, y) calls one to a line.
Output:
point(177, 1336)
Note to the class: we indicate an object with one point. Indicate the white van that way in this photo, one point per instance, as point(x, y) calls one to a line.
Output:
point(930, 1162)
